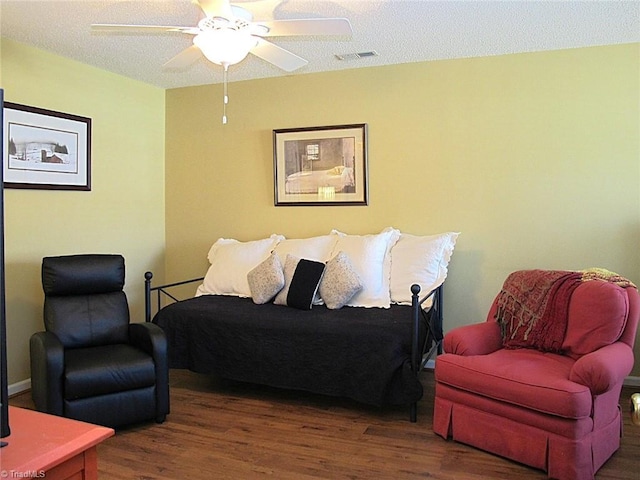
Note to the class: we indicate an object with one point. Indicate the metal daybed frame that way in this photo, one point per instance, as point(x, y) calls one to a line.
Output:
point(420, 354)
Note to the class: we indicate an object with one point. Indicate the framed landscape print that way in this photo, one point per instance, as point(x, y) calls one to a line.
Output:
point(321, 165)
point(45, 149)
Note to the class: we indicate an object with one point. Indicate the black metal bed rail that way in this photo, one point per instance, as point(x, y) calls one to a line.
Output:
point(421, 354)
point(160, 290)
point(434, 326)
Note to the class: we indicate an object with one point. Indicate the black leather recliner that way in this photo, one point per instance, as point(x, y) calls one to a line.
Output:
point(91, 364)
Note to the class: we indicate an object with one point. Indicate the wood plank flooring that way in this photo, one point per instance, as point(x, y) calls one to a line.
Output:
point(227, 430)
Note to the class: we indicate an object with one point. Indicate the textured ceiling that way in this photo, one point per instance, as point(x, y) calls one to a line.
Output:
point(401, 31)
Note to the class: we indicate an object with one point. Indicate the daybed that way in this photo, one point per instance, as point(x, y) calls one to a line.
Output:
point(347, 319)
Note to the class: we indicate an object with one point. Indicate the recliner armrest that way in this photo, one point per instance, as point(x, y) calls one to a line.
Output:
point(47, 371)
point(604, 368)
point(475, 339)
point(150, 338)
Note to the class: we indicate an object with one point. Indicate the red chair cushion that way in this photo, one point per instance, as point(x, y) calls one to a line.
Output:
point(525, 377)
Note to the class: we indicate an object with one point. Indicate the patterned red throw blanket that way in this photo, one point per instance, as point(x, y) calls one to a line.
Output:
point(533, 305)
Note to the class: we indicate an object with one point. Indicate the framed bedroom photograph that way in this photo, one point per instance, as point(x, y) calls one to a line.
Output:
point(45, 149)
point(321, 165)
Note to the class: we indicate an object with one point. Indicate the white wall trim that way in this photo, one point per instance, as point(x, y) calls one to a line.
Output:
point(16, 388)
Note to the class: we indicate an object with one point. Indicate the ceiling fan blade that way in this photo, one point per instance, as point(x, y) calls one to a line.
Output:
point(119, 28)
point(278, 56)
point(310, 26)
point(185, 58)
point(216, 8)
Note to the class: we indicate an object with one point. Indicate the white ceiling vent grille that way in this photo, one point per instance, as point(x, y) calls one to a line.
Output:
point(356, 56)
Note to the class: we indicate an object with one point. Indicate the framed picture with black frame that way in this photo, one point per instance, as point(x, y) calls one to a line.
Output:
point(321, 165)
point(45, 149)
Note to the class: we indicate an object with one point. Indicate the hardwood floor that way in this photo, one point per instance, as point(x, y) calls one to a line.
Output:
point(227, 430)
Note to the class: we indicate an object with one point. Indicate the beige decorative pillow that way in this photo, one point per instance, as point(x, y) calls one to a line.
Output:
point(266, 280)
point(340, 282)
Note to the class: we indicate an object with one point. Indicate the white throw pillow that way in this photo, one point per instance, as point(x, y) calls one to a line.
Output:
point(231, 261)
point(370, 259)
point(314, 248)
point(422, 260)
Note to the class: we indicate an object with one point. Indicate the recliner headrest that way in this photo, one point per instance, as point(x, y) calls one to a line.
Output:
point(82, 274)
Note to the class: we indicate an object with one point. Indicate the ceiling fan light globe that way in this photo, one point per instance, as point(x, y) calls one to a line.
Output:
point(225, 46)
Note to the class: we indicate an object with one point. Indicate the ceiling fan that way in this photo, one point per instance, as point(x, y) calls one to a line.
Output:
point(227, 34)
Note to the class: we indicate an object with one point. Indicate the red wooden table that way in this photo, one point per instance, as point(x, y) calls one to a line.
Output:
point(51, 447)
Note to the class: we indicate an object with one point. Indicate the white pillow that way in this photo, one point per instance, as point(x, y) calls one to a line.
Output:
point(370, 259)
point(422, 260)
point(313, 248)
point(231, 261)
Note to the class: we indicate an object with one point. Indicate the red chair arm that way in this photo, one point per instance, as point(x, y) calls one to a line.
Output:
point(475, 339)
point(604, 368)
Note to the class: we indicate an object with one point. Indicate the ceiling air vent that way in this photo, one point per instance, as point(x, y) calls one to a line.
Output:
point(356, 56)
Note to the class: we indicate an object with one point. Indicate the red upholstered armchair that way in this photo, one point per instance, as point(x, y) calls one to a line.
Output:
point(553, 408)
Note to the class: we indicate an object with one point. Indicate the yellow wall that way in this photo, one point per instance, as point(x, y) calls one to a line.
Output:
point(124, 211)
point(535, 158)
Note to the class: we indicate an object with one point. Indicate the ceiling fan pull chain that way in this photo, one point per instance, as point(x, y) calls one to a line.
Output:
point(225, 97)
